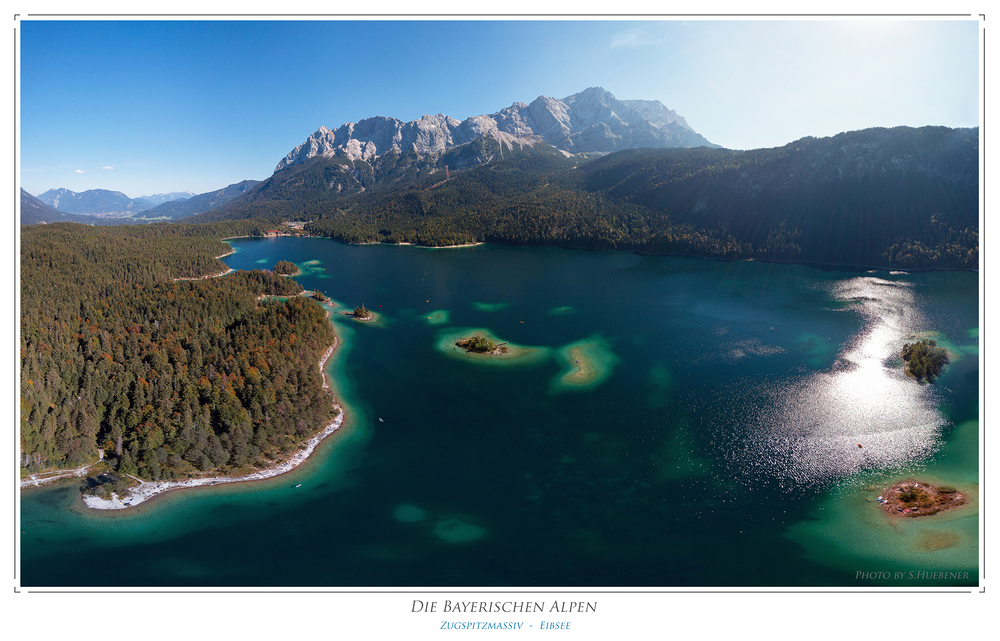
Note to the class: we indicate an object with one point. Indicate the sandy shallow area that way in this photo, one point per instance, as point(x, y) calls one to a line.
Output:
point(582, 370)
point(148, 489)
point(586, 364)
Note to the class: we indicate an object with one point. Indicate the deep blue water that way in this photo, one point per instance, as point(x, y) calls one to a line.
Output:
point(718, 446)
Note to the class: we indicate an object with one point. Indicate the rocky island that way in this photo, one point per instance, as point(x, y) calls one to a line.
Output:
point(913, 498)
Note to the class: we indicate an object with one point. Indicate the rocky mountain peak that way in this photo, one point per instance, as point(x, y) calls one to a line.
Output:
point(590, 121)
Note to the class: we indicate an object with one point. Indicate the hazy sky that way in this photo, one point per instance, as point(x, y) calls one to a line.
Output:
point(157, 106)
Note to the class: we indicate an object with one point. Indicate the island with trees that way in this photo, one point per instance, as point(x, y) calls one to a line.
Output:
point(479, 344)
point(286, 268)
point(924, 360)
point(361, 313)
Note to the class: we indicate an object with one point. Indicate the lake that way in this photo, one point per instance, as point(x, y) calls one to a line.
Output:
point(678, 422)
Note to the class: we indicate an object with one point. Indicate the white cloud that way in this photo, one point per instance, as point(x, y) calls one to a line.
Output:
point(79, 171)
point(633, 39)
point(108, 167)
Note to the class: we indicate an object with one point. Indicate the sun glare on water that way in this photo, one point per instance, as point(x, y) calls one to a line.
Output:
point(861, 413)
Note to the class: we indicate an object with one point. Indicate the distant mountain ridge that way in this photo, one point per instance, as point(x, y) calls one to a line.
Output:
point(104, 207)
point(159, 199)
point(35, 212)
point(587, 122)
point(93, 201)
point(200, 203)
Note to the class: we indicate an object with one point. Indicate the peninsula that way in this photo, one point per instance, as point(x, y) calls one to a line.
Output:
point(201, 364)
point(146, 490)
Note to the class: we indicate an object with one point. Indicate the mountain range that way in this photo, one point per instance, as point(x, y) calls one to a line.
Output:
point(159, 199)
point(104, 207)
point(94, 201)
point(592, 171)
point(209, 200)
point(35, 212)
point(592, 121)
point(104, 202)
point(902, 197)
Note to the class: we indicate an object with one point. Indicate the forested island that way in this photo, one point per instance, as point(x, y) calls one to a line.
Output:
point(924, 360)
point(125, 350)
point(361, 313)
point(479, 344)
point(286, 268)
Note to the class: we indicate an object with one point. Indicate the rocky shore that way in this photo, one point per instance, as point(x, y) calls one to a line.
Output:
point(914, 498)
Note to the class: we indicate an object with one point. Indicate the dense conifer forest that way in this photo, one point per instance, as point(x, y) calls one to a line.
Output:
point(924, 360)
point(169, 377)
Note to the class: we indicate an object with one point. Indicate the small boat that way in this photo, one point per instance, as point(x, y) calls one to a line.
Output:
point(299, 485)
point(380, 420)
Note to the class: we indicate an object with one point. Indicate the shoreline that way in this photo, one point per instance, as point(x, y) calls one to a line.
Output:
point(640, 252)
point(147, 490)
point(476, 244)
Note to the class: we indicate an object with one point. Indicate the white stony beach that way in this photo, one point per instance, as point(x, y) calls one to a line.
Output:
point(148, 489)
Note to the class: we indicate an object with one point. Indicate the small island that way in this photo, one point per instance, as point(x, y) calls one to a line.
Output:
point(924, 360)
point(913, 498)
point(481, 345)
point(361, 313)
point(286, 268)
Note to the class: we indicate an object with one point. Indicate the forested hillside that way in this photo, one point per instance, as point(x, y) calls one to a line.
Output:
point(169, 377)
point(899, 197)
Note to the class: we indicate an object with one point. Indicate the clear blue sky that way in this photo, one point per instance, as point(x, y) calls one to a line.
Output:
point(158, 106)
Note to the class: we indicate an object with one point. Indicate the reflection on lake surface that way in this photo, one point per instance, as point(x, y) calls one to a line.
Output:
point(712, 438)
point(862, 412)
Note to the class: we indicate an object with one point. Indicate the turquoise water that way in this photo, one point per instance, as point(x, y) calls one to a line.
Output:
point(710, 440)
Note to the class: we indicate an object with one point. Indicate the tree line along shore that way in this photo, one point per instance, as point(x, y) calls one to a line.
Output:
point(171, 379)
